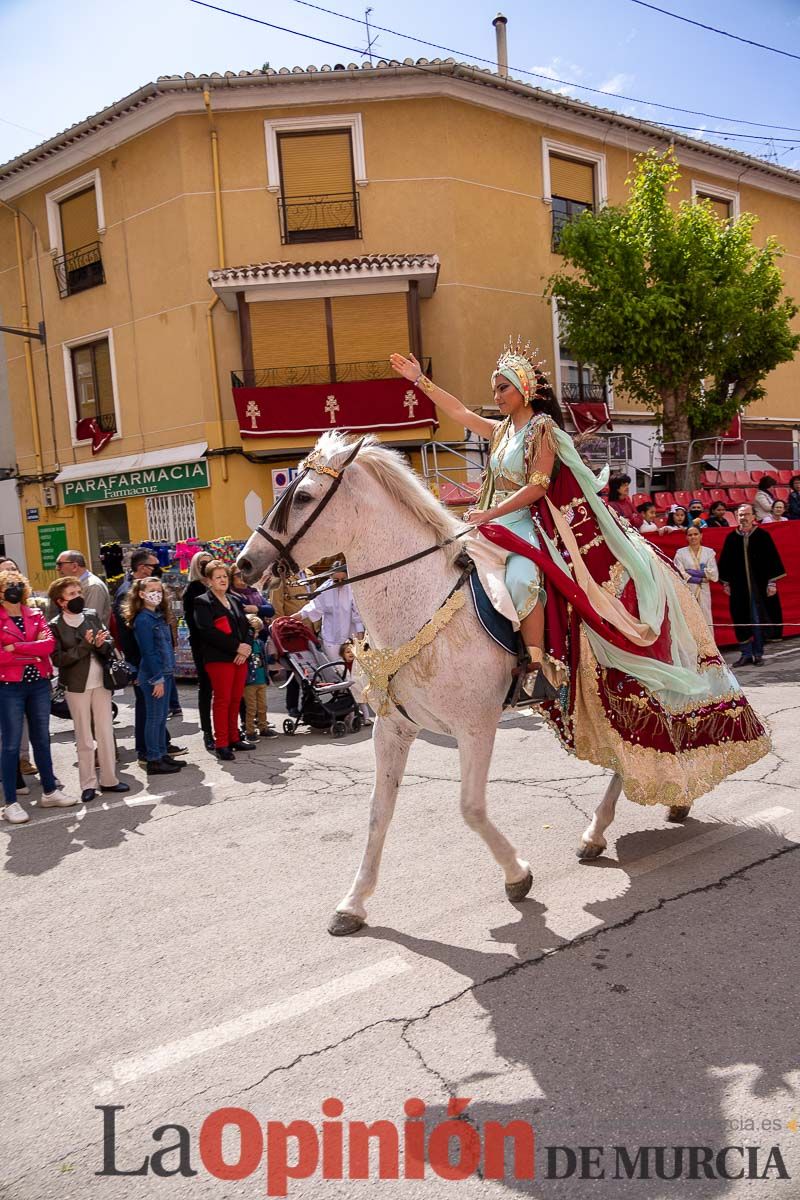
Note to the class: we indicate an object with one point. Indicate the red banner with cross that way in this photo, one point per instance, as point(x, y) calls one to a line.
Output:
point(365, 406)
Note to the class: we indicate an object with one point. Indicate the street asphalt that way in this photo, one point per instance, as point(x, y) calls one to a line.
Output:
point(167, 952)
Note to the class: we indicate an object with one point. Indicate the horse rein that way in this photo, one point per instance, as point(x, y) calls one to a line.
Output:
point(285, 558)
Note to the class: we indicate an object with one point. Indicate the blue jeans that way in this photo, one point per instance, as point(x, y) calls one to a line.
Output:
point(155, 725)
point(17, 701)
point(754, 646)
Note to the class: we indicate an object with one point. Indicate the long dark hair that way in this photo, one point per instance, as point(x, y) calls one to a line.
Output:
point(615, 483)
point(544, 400)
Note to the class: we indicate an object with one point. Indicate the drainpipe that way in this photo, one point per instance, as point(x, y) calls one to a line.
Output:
point(212, 345)
point(26, 345)
point(500, 23)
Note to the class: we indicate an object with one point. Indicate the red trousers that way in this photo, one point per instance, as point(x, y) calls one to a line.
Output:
point(227, 689)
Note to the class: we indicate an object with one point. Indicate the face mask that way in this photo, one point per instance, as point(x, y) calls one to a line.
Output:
point(152, 598)
point(14, 593)
point(76, 604)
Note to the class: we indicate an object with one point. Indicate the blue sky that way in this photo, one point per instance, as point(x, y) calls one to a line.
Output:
point(64, 61)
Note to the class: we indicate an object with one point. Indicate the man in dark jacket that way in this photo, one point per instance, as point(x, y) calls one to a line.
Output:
point(749, 568)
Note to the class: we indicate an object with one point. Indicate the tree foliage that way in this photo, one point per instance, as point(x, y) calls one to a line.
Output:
point(681, 308)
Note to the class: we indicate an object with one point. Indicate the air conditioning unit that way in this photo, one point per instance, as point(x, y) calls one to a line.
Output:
point(50, 495)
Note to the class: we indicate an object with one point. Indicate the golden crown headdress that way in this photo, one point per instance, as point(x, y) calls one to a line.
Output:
point(520, 360)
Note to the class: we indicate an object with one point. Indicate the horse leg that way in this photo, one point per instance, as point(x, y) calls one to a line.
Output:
point(593, 843)
point(475, 752)
point(392, 744)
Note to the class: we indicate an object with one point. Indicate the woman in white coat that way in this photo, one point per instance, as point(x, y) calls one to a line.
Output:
point(697, 564)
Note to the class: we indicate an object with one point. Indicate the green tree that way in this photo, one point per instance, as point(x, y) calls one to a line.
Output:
point(680, 307)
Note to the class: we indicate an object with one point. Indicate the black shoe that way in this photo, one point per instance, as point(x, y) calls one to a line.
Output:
point(173, 749)
point(242, 746)
point(226, 754)
point(118, 787)
point(208, 742)
point(88, 794)
point(742, 661)
point(175, 712)
point(162, 768)
point(758, 661)
point(269, 732)
point(173, 762)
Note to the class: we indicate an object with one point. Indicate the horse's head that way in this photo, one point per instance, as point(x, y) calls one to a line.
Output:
point(309, 521)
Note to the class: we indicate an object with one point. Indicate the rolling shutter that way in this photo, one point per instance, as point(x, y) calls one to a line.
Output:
point(369, 328)
point(720, 208)
point(316, 164)
point(572, 180)
point(78, 220)
point(288, 333)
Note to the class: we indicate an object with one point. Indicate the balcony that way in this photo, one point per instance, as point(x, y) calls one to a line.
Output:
point(325, 218)
point(321, 373)
point(584, 393)
point(79, 270)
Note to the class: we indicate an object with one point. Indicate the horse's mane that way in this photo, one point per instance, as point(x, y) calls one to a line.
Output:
point(398, 480)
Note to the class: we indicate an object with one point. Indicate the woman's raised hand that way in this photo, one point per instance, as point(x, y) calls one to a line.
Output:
point(409, 368)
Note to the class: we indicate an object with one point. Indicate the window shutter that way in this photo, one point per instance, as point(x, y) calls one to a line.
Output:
point(79, 220)
point(288, 333)
point(572, 180)
point(369, 328)
point(720, 208)
point(105, 387)
point(316, 164)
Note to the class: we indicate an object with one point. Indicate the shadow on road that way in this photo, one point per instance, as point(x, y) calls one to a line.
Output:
point(658, 1029)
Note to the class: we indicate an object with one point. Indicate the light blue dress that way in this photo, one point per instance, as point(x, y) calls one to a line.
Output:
point(507, 465)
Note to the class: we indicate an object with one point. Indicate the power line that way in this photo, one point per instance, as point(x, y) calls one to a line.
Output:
point(725, 134)
point(692, 112)
point(713, 29)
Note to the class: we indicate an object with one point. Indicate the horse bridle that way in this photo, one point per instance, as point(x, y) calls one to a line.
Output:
point(286, 563)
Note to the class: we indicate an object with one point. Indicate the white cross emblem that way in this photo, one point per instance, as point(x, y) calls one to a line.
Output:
point(332, 407)
point(253, 412)
point(411, 401)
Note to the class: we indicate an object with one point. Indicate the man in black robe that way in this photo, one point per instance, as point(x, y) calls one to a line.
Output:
point(749, 568)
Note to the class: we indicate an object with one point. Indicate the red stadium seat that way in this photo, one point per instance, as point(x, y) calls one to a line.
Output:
point(756, 476)
point(642, 498)
point(727, 478)
point(710, 478)
point(738, 496)
point(750, 492)
point(786, 477)
point(664, 500)
point(731, 518)
point(705, 496)
point(456, 494)
point(743, 478)
point(781, 493)
point(717, 494)
point(684, 498)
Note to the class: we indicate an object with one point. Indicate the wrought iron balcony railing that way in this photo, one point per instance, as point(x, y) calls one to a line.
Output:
point(325, 218)
point(79, 269)
point(321, 373)
point(581, 393)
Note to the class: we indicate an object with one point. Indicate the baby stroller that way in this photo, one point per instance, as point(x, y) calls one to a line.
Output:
point(326, 701)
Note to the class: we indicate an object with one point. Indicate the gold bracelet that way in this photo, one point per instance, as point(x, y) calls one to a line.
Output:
point(424, 384)
point(538, 478)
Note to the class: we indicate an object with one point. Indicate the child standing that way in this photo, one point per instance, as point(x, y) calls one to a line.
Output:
point(255, 693)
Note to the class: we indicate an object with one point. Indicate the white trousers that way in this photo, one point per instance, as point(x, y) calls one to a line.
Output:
point(93, 707)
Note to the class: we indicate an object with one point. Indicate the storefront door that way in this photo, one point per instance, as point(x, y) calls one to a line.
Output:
point(105, 523)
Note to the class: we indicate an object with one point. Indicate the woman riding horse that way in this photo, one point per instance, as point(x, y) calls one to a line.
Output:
point(637, 683)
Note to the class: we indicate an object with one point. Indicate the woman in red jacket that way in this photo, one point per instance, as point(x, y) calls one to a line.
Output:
point(618, 498)
point(26, 644)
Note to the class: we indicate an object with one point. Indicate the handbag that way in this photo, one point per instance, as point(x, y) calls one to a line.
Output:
point(58, 702)
point(120, 671)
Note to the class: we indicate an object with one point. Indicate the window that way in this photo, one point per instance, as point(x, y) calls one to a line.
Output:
point(171, 518)
point(318, 200)
point(93, 389)
point(724, 202)
point(571, 190)
point(579, 381)
point(79, 265)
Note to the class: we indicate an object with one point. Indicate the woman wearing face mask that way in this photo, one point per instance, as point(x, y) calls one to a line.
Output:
point(26, 644)
point(145, 612)
point(83, 648)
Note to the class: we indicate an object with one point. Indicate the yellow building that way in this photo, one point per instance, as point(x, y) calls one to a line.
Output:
point(226, 262)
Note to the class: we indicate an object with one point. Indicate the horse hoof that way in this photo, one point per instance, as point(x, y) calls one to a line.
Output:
point(678, 813)
point(343, 923)
point(589, 850)
point(519, 890)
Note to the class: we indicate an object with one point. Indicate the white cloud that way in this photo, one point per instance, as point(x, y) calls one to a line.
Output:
point(617, 83)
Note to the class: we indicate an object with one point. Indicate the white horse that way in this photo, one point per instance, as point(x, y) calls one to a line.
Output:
point(380, 513)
